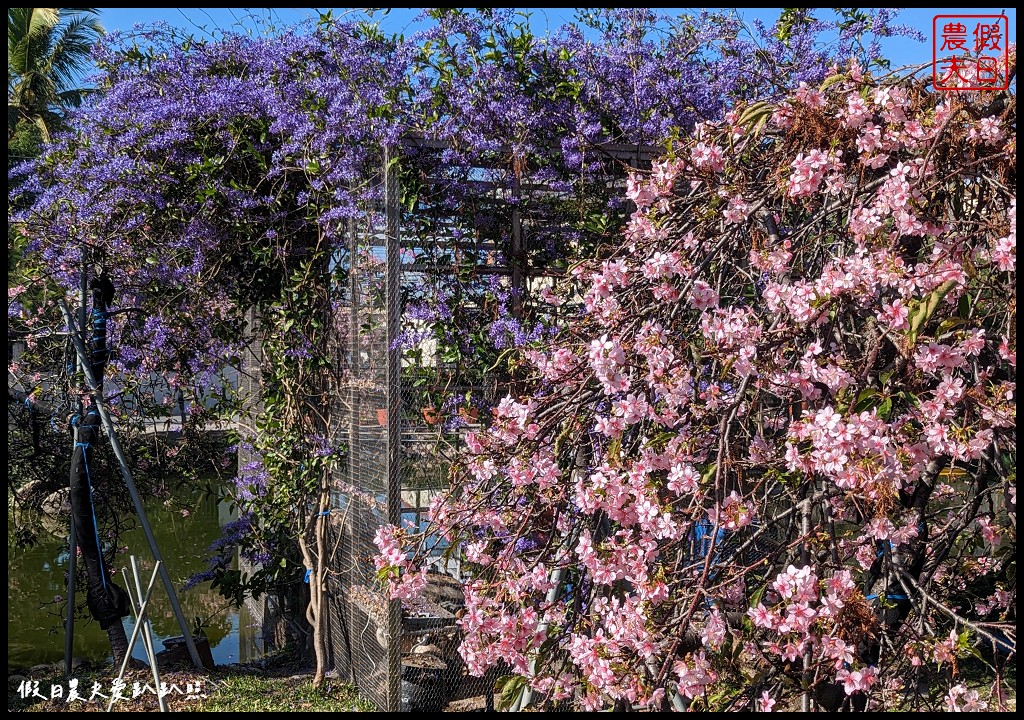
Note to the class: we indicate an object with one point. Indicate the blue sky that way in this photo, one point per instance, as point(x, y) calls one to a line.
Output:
point(202, 21)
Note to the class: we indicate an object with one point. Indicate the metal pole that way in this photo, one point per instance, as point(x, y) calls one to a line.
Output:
point(518, 254)
point(69, 623)
point(805, 558)
point(353, 422)
point(140, 510)
point(525, 698)
point(143, 605)
point(394, 398)
point(147, 631)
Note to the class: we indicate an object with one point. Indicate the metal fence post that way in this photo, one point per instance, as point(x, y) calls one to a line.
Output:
point(394, 405)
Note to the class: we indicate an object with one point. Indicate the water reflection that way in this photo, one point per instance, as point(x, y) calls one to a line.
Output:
point(36, 576)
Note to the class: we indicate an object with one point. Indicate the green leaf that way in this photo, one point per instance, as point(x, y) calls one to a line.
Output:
point(963, 307)
point(948, 325)
point(831, 80)
point(923, 310)
point(758, 595)
point(908, 397)
point(511, 689)
point(865, 400)
point(709, 473)
point(885, 408)
point(385, 572)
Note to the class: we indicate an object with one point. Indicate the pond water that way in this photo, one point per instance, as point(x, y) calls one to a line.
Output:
point(35, 624)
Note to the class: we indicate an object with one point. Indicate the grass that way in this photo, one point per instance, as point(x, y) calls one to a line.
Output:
point(248, 693)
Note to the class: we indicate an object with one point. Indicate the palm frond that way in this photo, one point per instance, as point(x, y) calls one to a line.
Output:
point(43, 20)
point(48, 52)
point(72, 50)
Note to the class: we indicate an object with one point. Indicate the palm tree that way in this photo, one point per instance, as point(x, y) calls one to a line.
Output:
point(48, 49)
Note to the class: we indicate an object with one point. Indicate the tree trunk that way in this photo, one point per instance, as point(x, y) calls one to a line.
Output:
point(118, 642)
point(314, 561)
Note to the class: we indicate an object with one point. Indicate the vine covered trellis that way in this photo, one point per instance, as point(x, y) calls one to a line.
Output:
point(341, 214)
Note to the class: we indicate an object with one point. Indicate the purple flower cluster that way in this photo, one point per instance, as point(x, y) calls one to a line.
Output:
point(251, 480)
point(234, 534)
point(509, 332)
